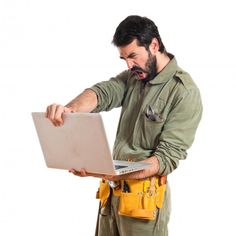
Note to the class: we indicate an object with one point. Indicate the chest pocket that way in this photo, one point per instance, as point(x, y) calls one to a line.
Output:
point(155, 113)
point(152, 121)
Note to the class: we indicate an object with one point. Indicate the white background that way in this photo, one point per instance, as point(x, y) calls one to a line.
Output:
point(50, 50)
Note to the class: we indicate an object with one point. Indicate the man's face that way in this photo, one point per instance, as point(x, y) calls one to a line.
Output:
point(139, 60)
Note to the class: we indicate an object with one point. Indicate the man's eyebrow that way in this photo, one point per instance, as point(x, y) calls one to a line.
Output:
point(131, 55)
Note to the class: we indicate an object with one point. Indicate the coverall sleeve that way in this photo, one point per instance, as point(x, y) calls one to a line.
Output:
point(179, 131)
point(111, 93)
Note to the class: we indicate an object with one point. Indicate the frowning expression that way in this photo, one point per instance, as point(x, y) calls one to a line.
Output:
point(139, 60)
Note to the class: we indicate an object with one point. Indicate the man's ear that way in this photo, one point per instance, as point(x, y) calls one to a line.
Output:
point(154, 46)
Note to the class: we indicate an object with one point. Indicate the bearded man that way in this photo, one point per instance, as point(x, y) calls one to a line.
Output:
point(161, 110)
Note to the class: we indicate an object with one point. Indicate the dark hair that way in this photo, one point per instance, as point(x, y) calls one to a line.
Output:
point(137, 27)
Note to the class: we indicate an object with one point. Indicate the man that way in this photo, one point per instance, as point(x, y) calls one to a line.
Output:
point(161, 110)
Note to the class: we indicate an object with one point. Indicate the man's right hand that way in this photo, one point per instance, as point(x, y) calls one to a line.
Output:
point(55, 113)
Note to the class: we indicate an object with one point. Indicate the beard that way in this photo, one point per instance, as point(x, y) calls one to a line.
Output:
point(150, 68)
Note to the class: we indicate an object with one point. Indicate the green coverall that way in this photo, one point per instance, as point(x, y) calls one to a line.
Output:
point(158, 118)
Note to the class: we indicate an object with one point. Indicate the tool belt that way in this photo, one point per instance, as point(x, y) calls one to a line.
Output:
point(138, 198)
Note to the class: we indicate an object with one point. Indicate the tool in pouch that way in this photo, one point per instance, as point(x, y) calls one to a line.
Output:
point(138, 198)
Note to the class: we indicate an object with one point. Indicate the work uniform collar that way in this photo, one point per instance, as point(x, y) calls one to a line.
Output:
point(168, 71)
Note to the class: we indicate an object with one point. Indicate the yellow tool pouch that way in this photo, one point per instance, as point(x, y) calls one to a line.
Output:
point(142, 198)
point(103, 192)
point(137, 206)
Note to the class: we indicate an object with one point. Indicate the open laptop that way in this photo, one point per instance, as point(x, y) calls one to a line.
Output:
point(80, 142)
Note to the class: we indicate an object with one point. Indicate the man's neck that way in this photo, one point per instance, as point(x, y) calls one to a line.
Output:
point(162, 60)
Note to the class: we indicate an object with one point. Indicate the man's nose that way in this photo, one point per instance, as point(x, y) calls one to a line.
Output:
point(129, 63)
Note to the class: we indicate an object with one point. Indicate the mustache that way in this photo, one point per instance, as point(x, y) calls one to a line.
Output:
point(138, 69)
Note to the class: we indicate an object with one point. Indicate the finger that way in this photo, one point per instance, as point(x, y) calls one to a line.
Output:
point(83, 172)
point(55, 113)
point(48, 111)
point(58, 116)
point(75, 172)
point(67, 110)
point(51, 112)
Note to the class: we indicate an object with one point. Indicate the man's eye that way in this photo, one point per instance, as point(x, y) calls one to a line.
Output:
point(133, 56)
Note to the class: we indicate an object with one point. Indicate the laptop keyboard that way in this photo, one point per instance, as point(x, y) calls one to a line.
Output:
point(117, 167)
